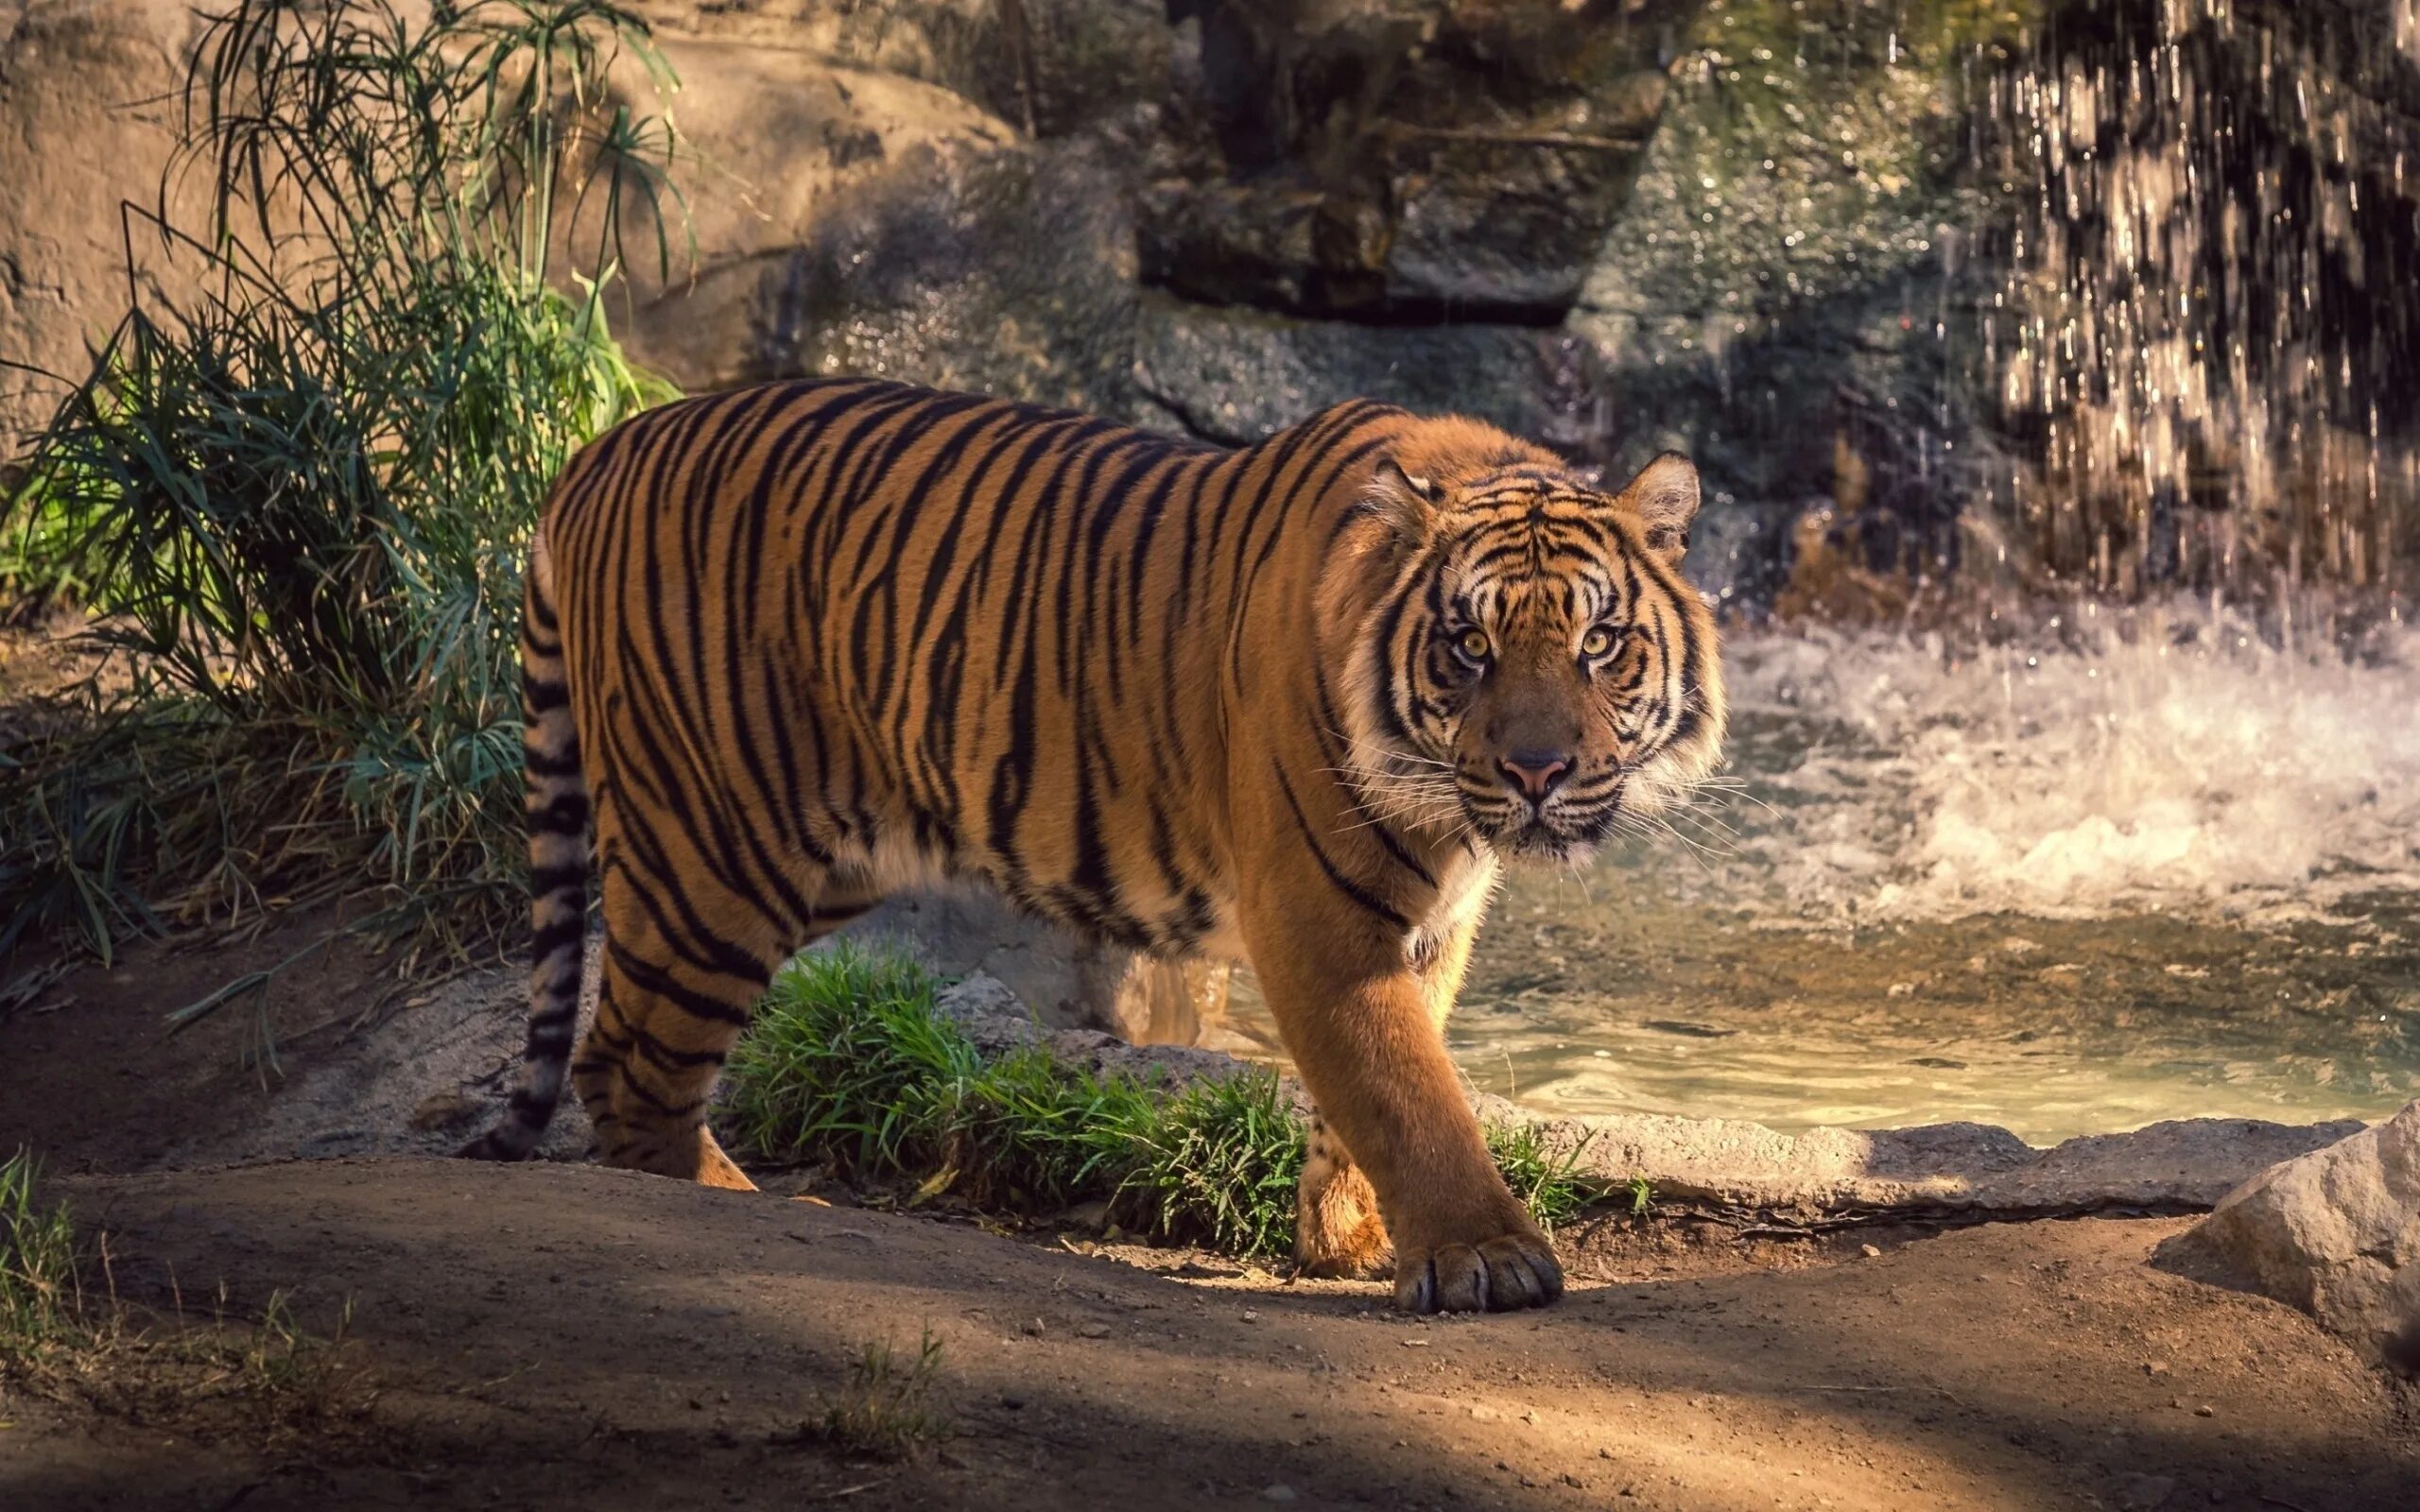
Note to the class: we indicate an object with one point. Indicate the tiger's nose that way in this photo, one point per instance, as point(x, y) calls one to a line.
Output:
point(1534, 773)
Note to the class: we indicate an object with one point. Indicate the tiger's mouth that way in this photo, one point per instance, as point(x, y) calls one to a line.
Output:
point(1556, 833)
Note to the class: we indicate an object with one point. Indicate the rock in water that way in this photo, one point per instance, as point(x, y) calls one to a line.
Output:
point(2335, 1232)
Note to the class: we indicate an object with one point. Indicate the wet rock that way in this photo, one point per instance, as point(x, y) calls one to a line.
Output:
point(1791, 285)
point(2175, 1166)
point(2335, 1232)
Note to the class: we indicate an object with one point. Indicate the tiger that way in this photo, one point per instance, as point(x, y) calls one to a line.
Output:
point(789, 647)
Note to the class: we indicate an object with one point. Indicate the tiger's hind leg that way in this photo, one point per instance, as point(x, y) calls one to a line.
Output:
point(1338, 1232)
point(684, 966)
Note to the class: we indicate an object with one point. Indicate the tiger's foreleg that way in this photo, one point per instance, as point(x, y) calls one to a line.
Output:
point(1338, 1231)
point(1357, 1018)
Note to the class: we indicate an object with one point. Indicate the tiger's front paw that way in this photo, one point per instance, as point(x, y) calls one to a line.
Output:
point(1494, 1275)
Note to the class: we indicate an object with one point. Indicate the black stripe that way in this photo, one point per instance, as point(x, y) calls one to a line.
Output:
point(1342, 884)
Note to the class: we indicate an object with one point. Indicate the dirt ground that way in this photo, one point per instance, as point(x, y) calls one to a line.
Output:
point(554, 1335)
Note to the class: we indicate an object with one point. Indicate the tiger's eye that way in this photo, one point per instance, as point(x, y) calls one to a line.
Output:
point(1474, 645)
point(1596, 642)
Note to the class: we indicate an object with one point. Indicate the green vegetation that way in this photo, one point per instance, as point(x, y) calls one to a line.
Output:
point(40, 1300)
point(297, 506)
point(883, 1411)
point(1547, 1183)
point(848, 1063)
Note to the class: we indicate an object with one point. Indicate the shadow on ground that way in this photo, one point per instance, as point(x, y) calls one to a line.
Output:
point(548, 1335)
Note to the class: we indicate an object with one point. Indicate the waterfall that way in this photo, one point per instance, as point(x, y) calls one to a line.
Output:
point(2204, 347)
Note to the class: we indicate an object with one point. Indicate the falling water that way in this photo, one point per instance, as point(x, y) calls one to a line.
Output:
point(2205, 346)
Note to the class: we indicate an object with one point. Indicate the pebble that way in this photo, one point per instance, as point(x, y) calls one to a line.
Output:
point(2205, 1410)
point(1280, 1492)
point(1093, 1330)
point(1869, 1251)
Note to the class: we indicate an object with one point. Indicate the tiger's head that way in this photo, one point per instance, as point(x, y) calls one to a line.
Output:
point(1534, 670)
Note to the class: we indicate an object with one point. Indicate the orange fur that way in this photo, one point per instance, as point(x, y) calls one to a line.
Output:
point(790, 647)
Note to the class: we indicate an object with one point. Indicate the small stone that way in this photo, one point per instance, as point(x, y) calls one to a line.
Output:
point(1869, 1251)
point(1033, 1327)
point(2205, 1410)
point(1093, 1330)
point(1902, 989)
point(1486, 1414)
point(1604, 1454)
point(1280, 1492)
point(2155, 1368)
point(1415, 1344)
point(1251, 1316)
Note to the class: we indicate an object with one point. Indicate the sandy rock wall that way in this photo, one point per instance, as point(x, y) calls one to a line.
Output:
point(84, 128)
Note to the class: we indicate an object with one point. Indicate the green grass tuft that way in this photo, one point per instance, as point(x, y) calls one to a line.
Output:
point(40, 1304)
point(848, 1063)
point(1548, 1184)
point(885, 1411)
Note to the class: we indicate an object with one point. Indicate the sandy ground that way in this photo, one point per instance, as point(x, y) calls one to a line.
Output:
point(556, 1335)
point(543, 1336)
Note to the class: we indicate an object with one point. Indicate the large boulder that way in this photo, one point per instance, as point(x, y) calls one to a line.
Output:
point(1063, 982)
point(2335, 1232)
point(1393, 158)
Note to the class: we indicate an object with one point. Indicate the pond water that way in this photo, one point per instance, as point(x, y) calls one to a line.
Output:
point(2105, 874)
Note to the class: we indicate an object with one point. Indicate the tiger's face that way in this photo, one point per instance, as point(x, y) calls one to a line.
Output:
point(1538, 672)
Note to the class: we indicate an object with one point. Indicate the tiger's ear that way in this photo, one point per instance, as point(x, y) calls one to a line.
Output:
point(1664, 499)
point(1406, 503)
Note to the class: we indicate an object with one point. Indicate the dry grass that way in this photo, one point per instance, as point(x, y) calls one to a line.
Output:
point(67, 1334)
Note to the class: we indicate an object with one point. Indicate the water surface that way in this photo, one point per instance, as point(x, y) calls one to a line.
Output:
point(2067, 888)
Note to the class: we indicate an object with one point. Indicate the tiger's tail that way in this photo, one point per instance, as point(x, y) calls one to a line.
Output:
point(559, 813)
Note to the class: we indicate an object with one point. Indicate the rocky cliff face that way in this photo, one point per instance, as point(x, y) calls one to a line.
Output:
point(1775, 232)
point(85, 124)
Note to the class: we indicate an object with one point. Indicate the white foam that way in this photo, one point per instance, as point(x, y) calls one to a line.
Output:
point(2220, 774)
